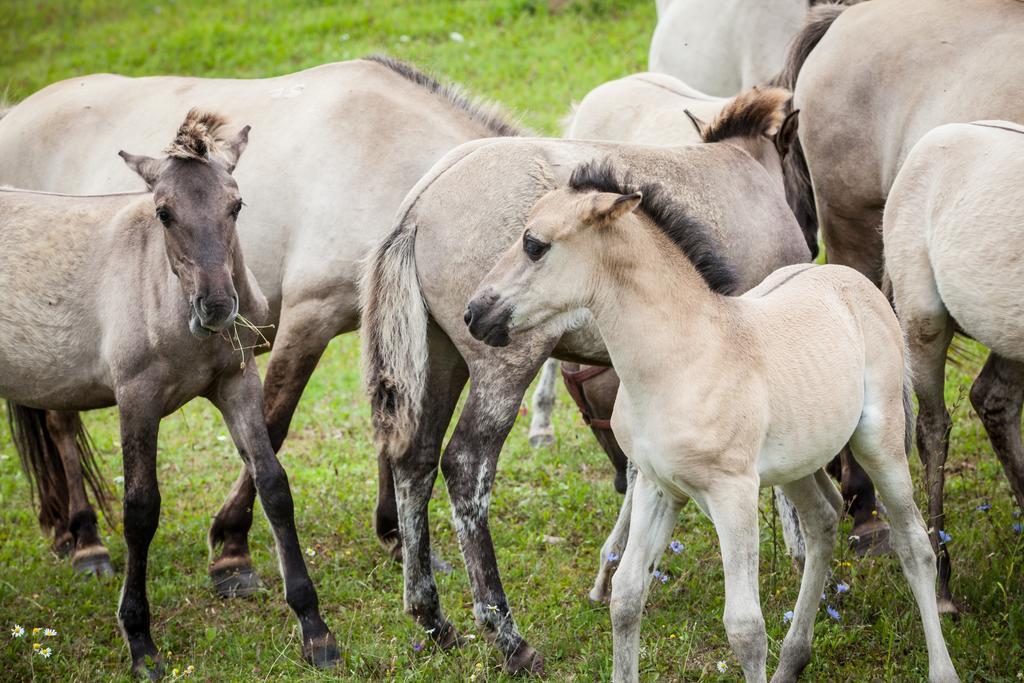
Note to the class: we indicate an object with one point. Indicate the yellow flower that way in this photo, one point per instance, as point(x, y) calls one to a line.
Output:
point(46, 652)
point(189, 670)
point(36, 646)
point(49, 632)
point(17, 631)
point(36, 630)
point(175, 672)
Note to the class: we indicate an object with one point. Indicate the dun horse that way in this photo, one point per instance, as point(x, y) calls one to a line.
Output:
point(720, 396)
point(129, 300)
point(306, 231)
point(952, 223)
point(869, 83)
point(450, 230)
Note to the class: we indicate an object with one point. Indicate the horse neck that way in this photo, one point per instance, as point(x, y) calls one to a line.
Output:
point(653, 306)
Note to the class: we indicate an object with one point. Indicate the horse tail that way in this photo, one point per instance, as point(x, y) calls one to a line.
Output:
point(394, 338)
point(799, 192)
point(908, 405)
point(42, 464)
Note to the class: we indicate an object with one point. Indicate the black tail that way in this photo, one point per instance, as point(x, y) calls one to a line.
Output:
point(41, 462)
point(799, 192)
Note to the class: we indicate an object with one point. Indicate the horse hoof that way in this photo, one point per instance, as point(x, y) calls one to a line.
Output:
point(525, 660)
point(871, 539)
point(97, 564)
point(326, 656)
point(620, 482)
point(946, 606)
point(447, 638)
point(64, 546)
point(153, 671)
point(542, 439)
point(235, 582)
point(597, 597)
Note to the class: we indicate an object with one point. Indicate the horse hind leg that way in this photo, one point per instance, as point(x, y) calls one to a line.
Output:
point(615, 545)
point(88, 556)
point(997, 395)
point(541, 432)
point(297, 350)
point(818, 505)
point(879, 445)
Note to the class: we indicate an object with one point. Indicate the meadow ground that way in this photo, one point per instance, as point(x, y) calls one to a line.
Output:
point(535, 60)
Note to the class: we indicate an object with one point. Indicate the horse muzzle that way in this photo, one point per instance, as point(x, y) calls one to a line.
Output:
point(209, 316)
point(488, 321)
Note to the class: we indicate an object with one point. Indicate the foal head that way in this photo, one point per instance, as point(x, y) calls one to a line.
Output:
point(579, 240)
point(196, 205)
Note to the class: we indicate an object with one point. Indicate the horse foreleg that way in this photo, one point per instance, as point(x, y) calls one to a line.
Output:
point(141, 516)
point(88, 556)
point(997, 395)
point(468, 465)
point(655, 514)
point(239, 397)
point(294, 357)
point(541, 431)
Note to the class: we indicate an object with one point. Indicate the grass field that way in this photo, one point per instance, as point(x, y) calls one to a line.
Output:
point(536, 61)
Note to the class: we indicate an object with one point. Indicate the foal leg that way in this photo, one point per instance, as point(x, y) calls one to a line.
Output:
point(89, 556)
point(656, 514)
point(414, 474)
point(732, 506)
point(141, 516)
point(541, 431)
point(997, 395)
point(469, 463)
point(819, 506)
point(615, 545)
point(297, 350)
point(239, 397)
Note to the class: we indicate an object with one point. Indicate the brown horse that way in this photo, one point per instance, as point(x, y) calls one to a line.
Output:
point(130, 300)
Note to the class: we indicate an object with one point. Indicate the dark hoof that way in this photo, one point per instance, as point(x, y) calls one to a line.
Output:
point(97, 564)
point(153, 671)
point(235, 582)
point(64, 546)
point(326, 656)
point(871, 539)
point(525, 660)
point(542, 439)
point(447, 638)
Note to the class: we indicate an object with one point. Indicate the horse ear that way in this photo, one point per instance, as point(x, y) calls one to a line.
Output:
point(697, 123)
point(608, 206)
point(234, 149)
point(148, 168)
point(786, 135)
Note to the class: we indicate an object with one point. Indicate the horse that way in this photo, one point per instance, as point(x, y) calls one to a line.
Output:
point(417, 353)
point(869, 82)
point(130, 300)
point(331, 127)
point(719, 395)
point(953, 208)
point(722, 47)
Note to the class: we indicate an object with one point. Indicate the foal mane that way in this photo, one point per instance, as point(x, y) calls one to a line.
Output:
point(672, 219)
point(198, 136)
point(491, 115)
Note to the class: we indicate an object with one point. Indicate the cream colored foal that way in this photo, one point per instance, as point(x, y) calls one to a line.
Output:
point(720, 395)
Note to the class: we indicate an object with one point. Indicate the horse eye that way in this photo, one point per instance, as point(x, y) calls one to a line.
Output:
point(534, 248)
point(236, 209)
point(163, 215)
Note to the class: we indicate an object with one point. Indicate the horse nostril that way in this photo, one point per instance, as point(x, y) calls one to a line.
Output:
point(468, 317)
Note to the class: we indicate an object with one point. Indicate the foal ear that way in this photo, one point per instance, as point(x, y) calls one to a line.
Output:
point(787, 132)
point(148, 168)
point(697, 123)
point(607, 206)
point(234, 148)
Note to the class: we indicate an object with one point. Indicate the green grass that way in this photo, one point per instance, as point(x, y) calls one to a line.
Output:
point(535, 61)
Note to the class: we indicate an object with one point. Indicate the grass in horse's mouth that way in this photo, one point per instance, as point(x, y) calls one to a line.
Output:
point(260, 341)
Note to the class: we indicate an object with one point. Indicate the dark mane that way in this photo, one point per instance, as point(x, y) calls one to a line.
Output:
point(692, 238)
point(488, 113)
point(752, 113)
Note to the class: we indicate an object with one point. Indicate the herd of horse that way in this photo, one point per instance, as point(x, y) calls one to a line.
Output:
point(669, 234)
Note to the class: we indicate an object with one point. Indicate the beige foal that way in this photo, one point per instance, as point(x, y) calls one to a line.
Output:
point(721, 395)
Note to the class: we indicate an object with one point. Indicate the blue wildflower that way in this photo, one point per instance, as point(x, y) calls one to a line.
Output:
point(787, 617)
point(664, 578)
point(1018, 527)
point(675, 546)
point(833, 612)
point(944, 538)
point(613, 557)
point(417, 646)
point(842, 587)
point(985, 507)
point(656, 574)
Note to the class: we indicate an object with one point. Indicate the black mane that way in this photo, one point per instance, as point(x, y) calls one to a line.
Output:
point(487, 113)
point(692, 238)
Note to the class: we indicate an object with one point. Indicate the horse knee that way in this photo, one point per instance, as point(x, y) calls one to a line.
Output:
point(626, 606)
point(746, 633)
point(141, 516)
point(275, 493)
